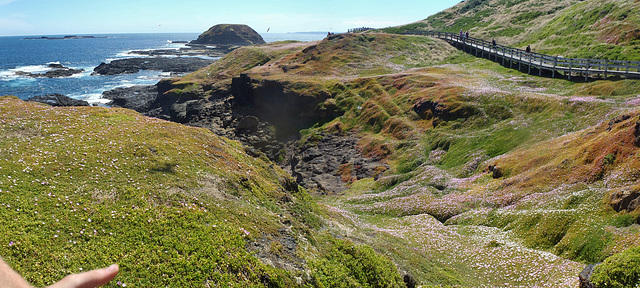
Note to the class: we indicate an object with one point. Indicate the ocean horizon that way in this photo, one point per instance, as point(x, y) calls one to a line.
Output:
point(34, 56)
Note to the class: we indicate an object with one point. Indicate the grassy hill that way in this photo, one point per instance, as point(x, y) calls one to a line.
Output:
point(603, 29)
point(491, 177)
point(172, 205)
point(436, 211)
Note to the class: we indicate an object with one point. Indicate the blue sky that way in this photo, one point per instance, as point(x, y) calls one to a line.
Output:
point(50, 17)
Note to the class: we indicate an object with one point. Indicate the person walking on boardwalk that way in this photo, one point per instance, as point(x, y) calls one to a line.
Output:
point(528, 49)
point(466, 35)
point(493, 42)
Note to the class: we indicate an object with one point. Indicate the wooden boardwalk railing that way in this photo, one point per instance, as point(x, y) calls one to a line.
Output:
point(536, 62)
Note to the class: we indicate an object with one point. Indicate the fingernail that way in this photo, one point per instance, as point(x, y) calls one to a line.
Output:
point(112, 267)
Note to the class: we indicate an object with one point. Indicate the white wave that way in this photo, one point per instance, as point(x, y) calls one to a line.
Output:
point(31, 69)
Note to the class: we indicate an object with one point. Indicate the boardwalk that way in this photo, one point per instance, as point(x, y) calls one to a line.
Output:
point(536, 63)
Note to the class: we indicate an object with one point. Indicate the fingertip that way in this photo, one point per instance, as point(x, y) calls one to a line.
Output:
point(113, 268)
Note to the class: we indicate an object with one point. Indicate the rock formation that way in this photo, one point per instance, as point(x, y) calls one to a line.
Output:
point(58, 71)
point(230, 34)
point(134, 65)
point(58, 100)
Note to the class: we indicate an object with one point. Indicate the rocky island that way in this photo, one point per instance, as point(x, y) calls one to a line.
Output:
point(58, 71)
point(63, 38)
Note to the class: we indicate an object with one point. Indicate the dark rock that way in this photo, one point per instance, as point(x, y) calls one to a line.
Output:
point(56, 66)
point(624, 199)
point(248, 123)
point(134, 65)
point(585, 276)
point(617, 120)
point(327, 163)
point(137, 98)
point(496, 171)
point(409, 281)
point(58, 72)
point(58, 100)
point(230, 34)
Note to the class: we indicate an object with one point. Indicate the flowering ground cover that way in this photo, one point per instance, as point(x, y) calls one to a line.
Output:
point(81, 188)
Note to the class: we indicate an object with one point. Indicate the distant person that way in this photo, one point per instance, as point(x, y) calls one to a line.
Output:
point(493, 42)
point(89, 279)
point(461, 34)
point(466, 35)
point(528, 49)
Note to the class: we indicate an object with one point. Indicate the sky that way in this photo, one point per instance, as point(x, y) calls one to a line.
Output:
point(68, 17)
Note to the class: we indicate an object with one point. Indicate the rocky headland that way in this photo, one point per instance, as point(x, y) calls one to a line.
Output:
point(267, 117)
point(229, 34)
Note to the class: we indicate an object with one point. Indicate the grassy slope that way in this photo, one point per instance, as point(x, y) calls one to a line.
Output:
point(484, 113)
point(587, 29)
point(173, 205)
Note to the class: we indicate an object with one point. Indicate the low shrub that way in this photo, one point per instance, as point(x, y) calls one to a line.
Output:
point(620, 270)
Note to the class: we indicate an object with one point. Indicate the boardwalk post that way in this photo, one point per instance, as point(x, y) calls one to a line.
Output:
point(540, 68)
point(627, 72)
point(520, 61)
point(530, 61)
point(586, 72)
point(511, 59)
point(570, 64)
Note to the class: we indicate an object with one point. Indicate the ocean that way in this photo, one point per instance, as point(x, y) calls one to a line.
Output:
point(19, 54)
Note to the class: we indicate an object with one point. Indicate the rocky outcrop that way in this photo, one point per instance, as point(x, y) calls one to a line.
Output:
point(266, 116)
point(59, 71)
point(58, 100)
point(585, 276)
point(326, 163)
point(137, 98)
point(230, 34)
point(627, 199)
point(134, 65)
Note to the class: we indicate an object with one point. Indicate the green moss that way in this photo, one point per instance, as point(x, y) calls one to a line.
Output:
point(620, 270)
point(344, 264)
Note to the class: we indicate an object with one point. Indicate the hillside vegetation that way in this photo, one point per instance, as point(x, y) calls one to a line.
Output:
point(490, 170)
point(601, 29)
point(172, 205)
point(487, 177)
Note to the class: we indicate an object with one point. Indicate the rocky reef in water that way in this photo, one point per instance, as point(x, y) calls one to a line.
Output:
point(59, 71)
point(134, 65)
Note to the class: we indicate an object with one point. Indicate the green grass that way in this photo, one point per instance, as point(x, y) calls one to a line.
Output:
point(82, 188)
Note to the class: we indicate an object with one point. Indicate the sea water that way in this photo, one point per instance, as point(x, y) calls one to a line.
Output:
point(19, 54)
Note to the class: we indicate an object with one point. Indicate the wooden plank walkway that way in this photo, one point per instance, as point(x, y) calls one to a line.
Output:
point(536, 62)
